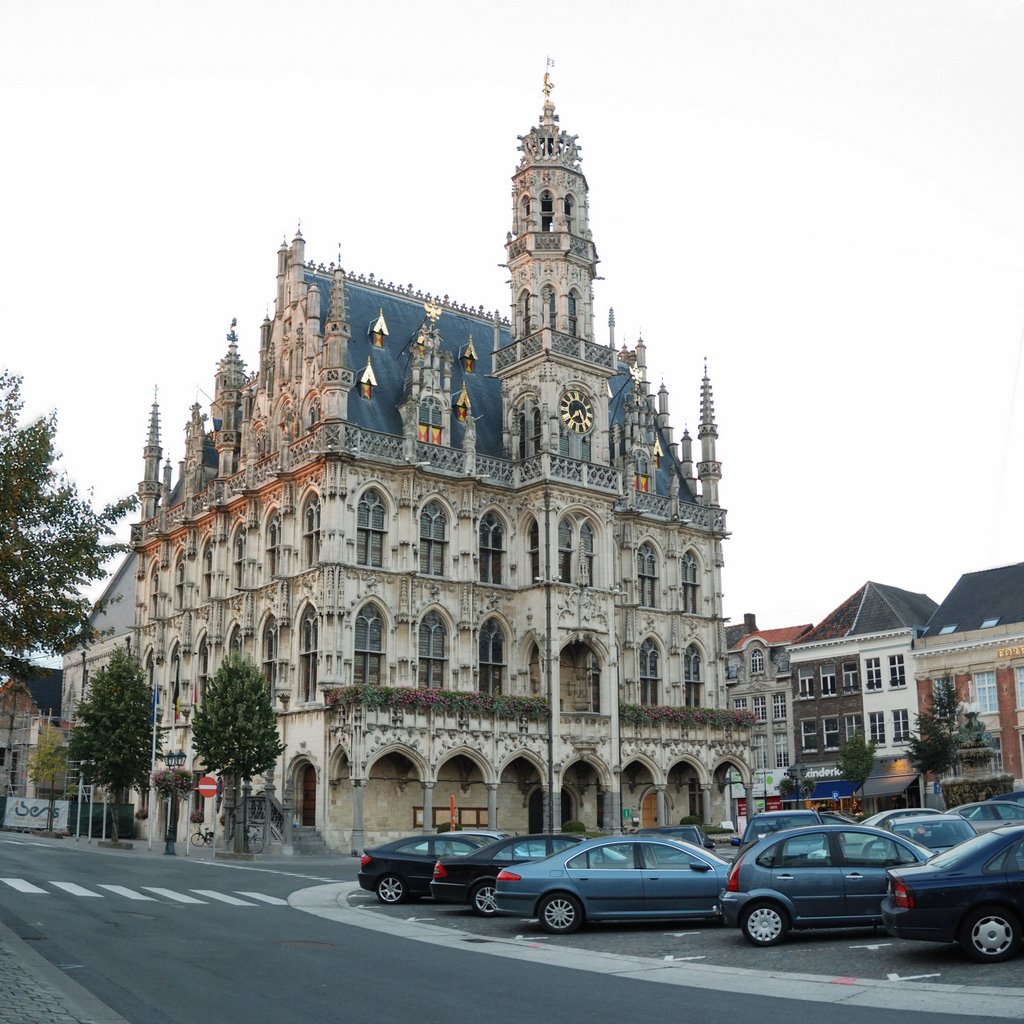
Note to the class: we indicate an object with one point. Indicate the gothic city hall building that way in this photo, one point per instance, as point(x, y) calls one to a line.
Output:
point(468, 552)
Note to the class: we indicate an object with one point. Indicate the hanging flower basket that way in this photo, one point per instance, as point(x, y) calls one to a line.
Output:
point(172, 781)
point(196, 817)
point(142, 813)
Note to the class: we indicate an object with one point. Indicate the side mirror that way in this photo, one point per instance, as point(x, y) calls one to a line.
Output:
point(735, 841)
point(701, 866)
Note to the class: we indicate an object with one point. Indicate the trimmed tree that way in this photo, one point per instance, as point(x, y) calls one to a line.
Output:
point(933, 748)
point(115, 728)
point(47, 763)
point(53, 543)
point(856, 759)
point(235, 730)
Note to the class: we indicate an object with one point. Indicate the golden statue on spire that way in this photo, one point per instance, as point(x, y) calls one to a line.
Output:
point(548, 84)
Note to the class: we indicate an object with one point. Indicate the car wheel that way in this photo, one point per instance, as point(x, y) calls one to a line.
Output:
point(560, 913)
point(764, 924)
point(391, 889)
point(990, 934)
point(481, 899)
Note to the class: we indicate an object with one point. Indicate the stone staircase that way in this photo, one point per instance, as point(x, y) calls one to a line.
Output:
point(307, 842)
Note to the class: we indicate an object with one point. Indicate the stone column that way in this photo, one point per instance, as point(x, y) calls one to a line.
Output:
point(705, 803)
point(659, 796)
point(613, 806)
point(492, 805)
point(748, 792)
point(358, 839)
point(286, 809)
point(428, 807)
point(268, 805)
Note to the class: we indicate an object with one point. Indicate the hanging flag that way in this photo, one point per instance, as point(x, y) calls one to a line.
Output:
point(177, 700)
point(153, 711)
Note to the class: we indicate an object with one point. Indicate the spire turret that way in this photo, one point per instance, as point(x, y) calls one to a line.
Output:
point(149, 485)
point(709, 470)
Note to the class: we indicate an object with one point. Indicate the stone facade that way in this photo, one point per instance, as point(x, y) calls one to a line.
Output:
point(430, 525)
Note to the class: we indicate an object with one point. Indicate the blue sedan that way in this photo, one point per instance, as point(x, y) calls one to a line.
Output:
point(620, 878)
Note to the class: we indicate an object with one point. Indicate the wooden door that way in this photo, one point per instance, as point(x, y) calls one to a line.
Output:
point(309, 795)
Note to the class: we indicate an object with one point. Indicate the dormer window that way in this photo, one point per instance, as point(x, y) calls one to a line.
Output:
point(641, 474)
point(429, 430)
point(468, 358)
point(378, 330)
point(462, 405)
point(367, 381)
point(756, 661)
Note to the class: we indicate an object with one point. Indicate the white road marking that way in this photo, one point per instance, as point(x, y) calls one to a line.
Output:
point(22, 886)
point(875, 945)
point(76, 890)
point(910, 977)
point(676, 959)
point(178, 897)
point(131, 894)
point(223, 897)
point(274, 901)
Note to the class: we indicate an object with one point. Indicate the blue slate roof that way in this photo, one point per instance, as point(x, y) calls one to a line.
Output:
point(992, 597)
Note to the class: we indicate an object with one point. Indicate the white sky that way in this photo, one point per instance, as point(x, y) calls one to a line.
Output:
point(823, 198)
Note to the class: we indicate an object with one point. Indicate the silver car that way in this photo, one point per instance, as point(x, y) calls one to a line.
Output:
point(986, 815)
point(821, 876)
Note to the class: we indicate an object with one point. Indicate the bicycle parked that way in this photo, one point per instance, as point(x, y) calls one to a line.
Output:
point(202, 837)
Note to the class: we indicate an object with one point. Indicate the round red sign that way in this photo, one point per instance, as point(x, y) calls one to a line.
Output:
point(207, 786)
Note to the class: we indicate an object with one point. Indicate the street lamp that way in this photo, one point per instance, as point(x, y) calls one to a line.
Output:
point(173, 759)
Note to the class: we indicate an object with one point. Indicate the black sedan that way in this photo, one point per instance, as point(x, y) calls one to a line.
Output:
point(470, 879)
point(402, 869)
point(972, 894)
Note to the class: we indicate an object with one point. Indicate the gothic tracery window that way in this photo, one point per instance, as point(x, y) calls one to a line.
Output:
point(433, 539)
point(491, 662)
point(369, 647)
point(311, 532)
point(692, 677)
point(649, 672)
point(492, 548)
point(308, 653)
point(433, 639)
point(689, 583)
point(272, 555)
point(647, 575)
point(270, 652)
point(370, 531)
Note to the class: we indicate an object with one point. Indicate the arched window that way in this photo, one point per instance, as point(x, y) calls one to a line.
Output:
point(313, 416)
point(433, 539)
point(524, 215)
point(202, 671)
point(270, 653)
point(272, 561)
point(238, 558)
point(650, 672)
point(550, 309)
point(433, 640)
point(308, 652)
point(529, 430)
point(208, 571)
point(179, 583)
point(689, 581)
point(533, 549)
point(524, 305)
point(235, 641)
point(370, 532)
point(547, 210)
point(311, 532)
point(647, 575)
point(565, 551)
point(573, 321)
point(567, 210)
point(691, 677)
point(641, 473)
point(757, 660)
point(369, 647)
point(492, 657)
point(429, 430)
point(154, 594)
point(492, 548)
point(586, 554)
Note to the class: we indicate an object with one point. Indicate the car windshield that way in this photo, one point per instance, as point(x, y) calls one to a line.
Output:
point(762, 826)
point(934, 833)
point(966, 850)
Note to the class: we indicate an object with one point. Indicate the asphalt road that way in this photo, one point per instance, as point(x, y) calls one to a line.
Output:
point(126, 928)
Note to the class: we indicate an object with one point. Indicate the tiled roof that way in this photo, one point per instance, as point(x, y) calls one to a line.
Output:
point(875, 608)
point(980, 597)
point(772, 637)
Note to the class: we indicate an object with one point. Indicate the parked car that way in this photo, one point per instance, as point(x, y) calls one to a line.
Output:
point(767, 822)
point(835, 818)
point(986, 815)
point(936, 832)
point(687, 833)
point(1016, 797)
point(820, 876)
point(882, 818)
point(972, 894)
point(615, 878)
point(484, 832)
point(403, 869)
point(471, 879)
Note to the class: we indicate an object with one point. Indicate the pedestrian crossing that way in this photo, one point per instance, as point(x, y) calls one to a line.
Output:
point(146, 893)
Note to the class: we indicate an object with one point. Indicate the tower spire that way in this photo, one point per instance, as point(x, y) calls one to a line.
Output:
point(709, 471)
point(149, 485)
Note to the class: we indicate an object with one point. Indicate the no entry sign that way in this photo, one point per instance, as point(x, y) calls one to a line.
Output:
point(207, 786)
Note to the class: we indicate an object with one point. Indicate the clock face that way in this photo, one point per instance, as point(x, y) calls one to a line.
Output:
point(577, 411)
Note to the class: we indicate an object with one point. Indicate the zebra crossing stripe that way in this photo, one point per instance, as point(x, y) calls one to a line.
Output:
point(22, 886)
point(223, 897)
point(274, 901)
point(120, 890)
point(76, 890)
point(178, 897)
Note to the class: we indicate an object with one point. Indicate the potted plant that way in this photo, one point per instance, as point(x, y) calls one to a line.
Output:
point(172, 782)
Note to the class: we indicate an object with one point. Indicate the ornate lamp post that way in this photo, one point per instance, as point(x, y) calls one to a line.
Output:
point(173, 759)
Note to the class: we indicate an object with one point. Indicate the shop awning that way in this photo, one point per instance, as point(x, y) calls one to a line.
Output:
point(833, 789)
point(888, 785)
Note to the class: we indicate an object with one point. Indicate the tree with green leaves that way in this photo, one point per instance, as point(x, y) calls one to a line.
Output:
point(47, 763)
point(933, 748)
point(114, 729)
point(53, 543)
point(856, 759)
point(235, 729)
